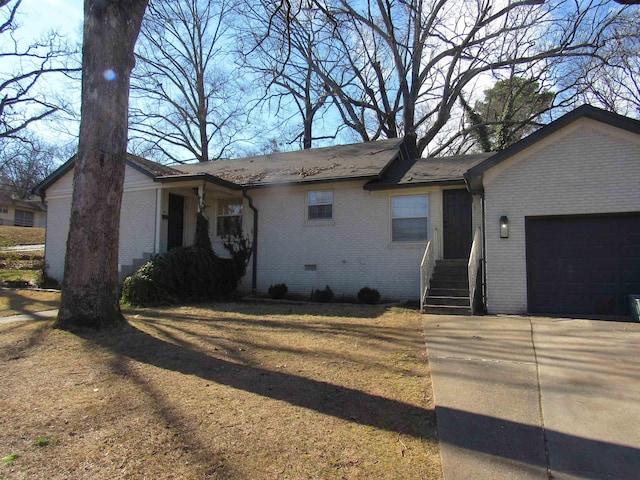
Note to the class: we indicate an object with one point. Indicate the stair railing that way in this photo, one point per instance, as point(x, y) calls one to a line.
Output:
point(472, 268)
point(426, 271)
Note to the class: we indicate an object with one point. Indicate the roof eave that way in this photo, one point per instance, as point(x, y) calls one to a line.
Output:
point(197, 177)
point(372, 186)
point(41, 188)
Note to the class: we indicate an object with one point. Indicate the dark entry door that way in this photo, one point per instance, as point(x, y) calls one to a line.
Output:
point(457, 223)
point(176, 221)
point(582, 264)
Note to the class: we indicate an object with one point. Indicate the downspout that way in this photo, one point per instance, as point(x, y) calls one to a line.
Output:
point(484, 254)
point(254, 270)
point(484, 241)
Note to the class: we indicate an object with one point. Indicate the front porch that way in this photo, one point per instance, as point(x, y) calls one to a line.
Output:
point(177, 206)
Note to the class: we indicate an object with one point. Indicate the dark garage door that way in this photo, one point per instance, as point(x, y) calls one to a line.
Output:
point(582, 264)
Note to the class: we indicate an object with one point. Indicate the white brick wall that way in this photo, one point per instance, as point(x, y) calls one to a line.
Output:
point(58, 211)
point(586, 168)
point(137, 225)
point(350, 252)
point(137, 221)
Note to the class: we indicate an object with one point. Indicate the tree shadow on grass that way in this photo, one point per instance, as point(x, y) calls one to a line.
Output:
point(338, 401)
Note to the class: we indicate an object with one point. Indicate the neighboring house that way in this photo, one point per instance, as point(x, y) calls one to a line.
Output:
point(22, 213)
point(367, 215)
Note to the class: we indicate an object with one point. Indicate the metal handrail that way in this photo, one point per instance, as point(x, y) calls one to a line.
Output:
point(426, 270)
point(472, 268)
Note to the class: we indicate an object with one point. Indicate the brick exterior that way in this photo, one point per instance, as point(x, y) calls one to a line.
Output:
point(585, 168)
point(58, 210)
point(351, 251)
point(137, 222)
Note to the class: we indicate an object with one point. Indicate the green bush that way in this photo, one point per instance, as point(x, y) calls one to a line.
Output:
point(322, 296)
point(185, 274)
point(278, 291)
point(43, 280)
point(368, 295)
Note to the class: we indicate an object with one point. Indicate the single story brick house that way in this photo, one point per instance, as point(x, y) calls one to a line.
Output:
point(549, 226)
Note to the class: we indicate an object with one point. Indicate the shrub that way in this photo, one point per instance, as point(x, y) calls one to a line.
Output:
point(368, 295)
point(43, 280)
point(184, 274)
point(322, 296)
point(278, 291)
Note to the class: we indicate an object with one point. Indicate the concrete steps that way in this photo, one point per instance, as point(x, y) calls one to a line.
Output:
point(136, 263)
point(448, 292)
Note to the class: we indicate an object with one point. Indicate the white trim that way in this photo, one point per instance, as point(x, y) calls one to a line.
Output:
point(422, 243)
point(158, 223)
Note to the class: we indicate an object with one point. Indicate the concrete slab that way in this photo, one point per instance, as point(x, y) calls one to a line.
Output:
point(590, 386)
point(486, 395)
point(525, 397)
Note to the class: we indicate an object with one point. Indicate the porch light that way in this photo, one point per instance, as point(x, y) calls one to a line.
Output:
point(504, 227)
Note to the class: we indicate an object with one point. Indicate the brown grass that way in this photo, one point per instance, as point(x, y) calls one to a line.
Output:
point(10, 236)
point(236, 391)
point(15, 302)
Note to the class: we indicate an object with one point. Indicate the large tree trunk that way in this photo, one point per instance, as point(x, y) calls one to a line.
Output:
point(90, 290)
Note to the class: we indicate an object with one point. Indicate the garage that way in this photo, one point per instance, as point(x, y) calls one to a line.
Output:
point(584, 264)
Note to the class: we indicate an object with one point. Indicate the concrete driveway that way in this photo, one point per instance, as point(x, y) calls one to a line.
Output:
point(536, 398)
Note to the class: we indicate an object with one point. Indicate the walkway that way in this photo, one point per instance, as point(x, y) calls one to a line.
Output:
point(46, 315)
point(536, 398)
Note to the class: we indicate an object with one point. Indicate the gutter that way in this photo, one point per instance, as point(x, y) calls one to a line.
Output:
point(254, 270)
point(484, 254)
point(480, 191)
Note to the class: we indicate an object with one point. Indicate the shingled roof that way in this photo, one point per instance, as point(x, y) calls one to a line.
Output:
point(428, 171)
point(362, 161)
point(383, 164)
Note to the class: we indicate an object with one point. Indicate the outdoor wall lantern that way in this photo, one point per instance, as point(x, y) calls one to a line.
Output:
point(504, 227)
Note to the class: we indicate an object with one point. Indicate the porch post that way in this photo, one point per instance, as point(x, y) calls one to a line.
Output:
point(156, 246)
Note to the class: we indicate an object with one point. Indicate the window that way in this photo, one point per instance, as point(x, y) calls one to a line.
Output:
point(4, 210)
point(23, 219)
point(320, 205)
point(229, 217)
point(409, 218)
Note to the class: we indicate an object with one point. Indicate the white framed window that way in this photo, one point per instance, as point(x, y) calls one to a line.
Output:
point(320, 205)
point(229, 217)
point(409, 218)
point(4, 210)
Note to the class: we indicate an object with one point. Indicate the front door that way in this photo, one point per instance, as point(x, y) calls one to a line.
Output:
point(457, 228)
point(176, 221)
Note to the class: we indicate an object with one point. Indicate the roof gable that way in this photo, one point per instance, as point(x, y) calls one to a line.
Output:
point(147, 167)
point(475, 174)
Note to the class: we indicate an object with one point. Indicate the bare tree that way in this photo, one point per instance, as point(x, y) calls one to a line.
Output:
point(402, 67)
point(26, 162)
point(186, 102)
point(90, 290)
point(278, 46)
point(610, 80)
point(22, 69)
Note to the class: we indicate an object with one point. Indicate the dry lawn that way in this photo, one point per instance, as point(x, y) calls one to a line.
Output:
point(234, 391)
point(10, 236)
point(18, 301)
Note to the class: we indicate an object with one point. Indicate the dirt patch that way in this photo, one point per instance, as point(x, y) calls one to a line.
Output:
point(237, 391)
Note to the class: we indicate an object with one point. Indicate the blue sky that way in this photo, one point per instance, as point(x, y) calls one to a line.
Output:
point(39, 16)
